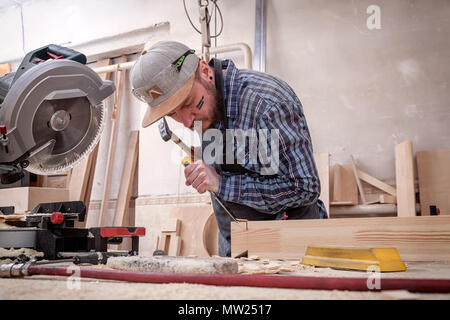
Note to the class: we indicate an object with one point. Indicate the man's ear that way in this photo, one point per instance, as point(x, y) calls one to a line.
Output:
point(206, 72)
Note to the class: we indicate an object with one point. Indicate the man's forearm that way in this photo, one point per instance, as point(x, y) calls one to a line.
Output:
point(267, 194)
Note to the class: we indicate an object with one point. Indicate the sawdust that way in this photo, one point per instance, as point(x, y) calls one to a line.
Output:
point(6, 261)
point(17, 252)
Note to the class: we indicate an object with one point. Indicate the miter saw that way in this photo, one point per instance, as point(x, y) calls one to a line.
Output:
point(51, 113)
point(51, 117)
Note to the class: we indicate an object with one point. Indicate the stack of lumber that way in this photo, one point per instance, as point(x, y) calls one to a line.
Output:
point(350, 186)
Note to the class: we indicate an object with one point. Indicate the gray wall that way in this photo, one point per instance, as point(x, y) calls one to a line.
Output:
point(365, 90)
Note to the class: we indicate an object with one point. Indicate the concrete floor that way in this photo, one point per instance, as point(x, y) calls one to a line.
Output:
point(46, 287)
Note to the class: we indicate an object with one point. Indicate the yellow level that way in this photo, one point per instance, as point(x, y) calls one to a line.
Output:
point(354, 258)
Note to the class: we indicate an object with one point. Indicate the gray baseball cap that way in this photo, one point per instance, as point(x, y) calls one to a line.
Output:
point(163, 78)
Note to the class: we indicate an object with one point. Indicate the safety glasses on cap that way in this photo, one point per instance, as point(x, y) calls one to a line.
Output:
point(148, 94)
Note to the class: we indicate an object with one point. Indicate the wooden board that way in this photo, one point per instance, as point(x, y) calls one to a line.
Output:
point(26, 198)
point(115, 120)
point(126, 183)
point(433, 168)
point(358, 182)
point(344, 187)
point(55, 181)
point(323, 167)
point(416, 238)
point(376, 183)
point(82, 177)
point(404, 173)
point(4, 69)
point(79, 179)
point(210, 236)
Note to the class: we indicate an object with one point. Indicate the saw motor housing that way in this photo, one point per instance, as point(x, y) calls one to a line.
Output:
point(51, 113)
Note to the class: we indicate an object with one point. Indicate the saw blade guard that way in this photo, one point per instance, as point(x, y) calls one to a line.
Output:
point(55, 115)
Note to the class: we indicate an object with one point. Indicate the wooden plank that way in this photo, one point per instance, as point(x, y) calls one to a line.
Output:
point(55, 181)
point(342, 203)
point(358, 182)
point(174, 245)
point(94, 153)
point(433, 168)
point(344, 187)
point(115, 120)
point(126, 183)
point(376, 183)
point(90, 182)
point(404, 172)
point(4, 69)
point(172, 225)
point(164, 241)
point(387, 198)
point(78, 182)
point(82, 176)
point(26, 198)
point(416, 238)
point(322, 161)
point(210, 236)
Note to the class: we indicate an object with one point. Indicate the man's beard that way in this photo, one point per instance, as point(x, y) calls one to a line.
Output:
point(217, 111)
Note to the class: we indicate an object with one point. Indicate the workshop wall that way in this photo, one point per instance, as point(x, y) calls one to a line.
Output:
point(362, 90)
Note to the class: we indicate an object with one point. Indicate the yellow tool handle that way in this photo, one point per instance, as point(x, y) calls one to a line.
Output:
point(186, 161)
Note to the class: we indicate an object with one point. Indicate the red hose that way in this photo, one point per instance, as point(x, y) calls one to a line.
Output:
point(266, 281)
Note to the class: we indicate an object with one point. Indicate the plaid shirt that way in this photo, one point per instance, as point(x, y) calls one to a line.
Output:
point(255, 100)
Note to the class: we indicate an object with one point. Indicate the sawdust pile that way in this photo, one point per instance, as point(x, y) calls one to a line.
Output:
point(174, 264)
point(14, 253)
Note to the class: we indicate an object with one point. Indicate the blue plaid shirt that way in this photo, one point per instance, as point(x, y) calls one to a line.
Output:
point(255, 100)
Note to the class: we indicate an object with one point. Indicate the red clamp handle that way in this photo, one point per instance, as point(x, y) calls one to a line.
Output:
point(110, 232)
point(57, 218)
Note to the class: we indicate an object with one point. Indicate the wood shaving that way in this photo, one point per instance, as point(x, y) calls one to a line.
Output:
point(286, 269)
point(17, 252)
point(272, 265)
point(254, 257)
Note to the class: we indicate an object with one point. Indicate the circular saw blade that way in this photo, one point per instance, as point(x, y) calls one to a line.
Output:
point(66, 131)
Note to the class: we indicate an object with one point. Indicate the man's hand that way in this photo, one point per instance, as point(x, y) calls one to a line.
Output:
point(202, 177)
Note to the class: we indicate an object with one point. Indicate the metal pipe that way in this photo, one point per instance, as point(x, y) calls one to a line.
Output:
point(266, 281)
point(260, 35)
point(372, 210)
point(240, 46)
point(227, 48)
point(115, 67)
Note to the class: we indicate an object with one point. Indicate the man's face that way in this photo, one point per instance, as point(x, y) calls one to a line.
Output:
point(200, 105)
